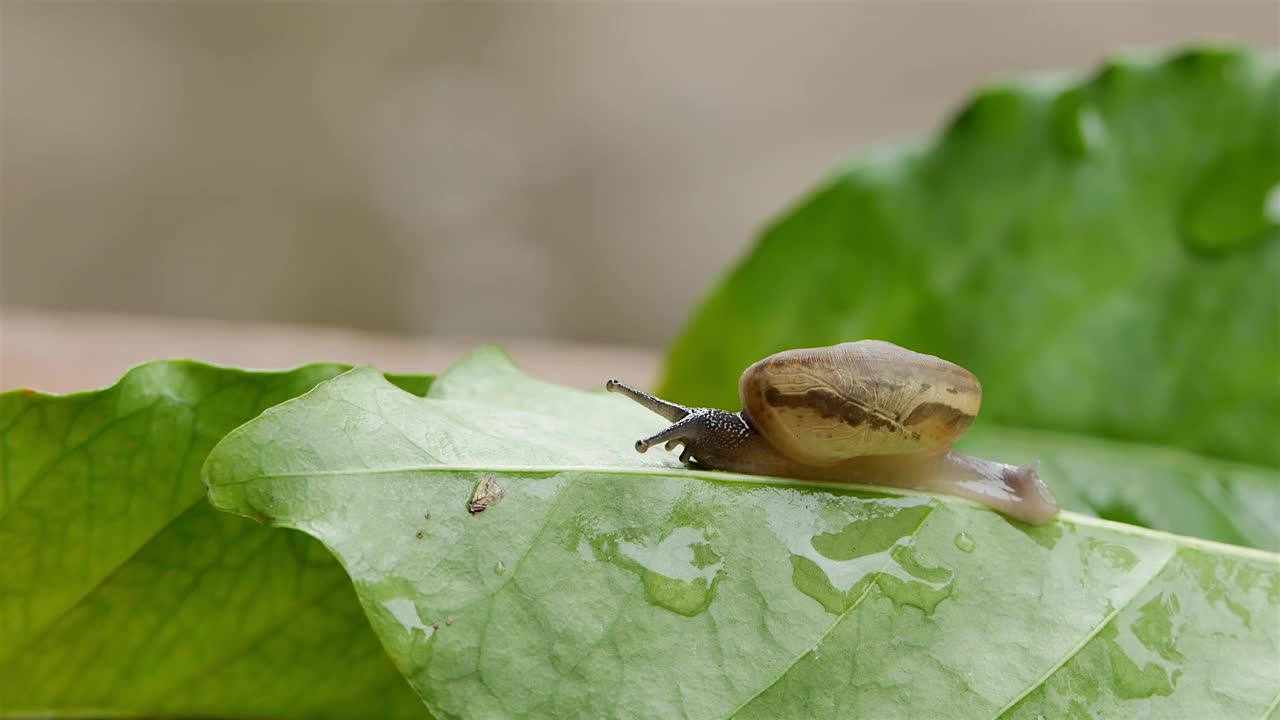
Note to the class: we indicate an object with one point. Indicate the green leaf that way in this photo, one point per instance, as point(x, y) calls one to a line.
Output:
point(610, 584)
point(1154, 487)
point(1102, 253)
point(123, 593)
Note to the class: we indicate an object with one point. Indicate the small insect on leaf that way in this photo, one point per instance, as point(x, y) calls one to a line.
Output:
point(419, 535)
point(487, 492)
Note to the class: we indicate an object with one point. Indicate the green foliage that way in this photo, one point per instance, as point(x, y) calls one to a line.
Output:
point(609, 584)
point(1102, 254)
point(123, 593)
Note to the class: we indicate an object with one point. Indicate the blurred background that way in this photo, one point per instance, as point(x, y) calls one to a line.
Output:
point(579, 171)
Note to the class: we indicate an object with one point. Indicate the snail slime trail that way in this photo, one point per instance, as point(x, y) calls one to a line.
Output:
point(866, 412)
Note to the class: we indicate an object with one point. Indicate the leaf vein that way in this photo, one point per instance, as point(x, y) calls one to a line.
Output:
point(1097, 628)
point(515, 569)
point(38, 634)
point(1266, 714)
point(836, 623)
point(70, 449)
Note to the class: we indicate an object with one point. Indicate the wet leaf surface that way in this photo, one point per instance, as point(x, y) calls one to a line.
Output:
point(612, 584)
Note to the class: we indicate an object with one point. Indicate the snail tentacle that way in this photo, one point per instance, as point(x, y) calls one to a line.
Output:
point(668, 410)
point(682, 431)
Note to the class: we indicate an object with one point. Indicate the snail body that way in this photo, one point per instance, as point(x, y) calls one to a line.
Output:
point(868, 412)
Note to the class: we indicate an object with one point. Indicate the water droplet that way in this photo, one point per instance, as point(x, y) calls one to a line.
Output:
point(680, 572)
point(406, 613)
point(1137, 672)
point(500, 568)
point(908, 581)
point(836, 568)
point(867, 536)
point(1155, 626)
point(1214, 574)
point(964, 543)
point(1233, 207)
point(1116, 556)
point(1046, 536)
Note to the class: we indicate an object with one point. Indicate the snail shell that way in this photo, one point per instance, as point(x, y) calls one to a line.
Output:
point(866, 412)
point(824, 406)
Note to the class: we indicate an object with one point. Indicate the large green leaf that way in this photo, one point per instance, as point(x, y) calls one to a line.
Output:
point(123, 593)
point(1102, 253)
point(610, 584)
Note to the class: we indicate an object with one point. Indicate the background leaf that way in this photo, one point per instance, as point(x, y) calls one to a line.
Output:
point(123, 593)
point(1103, 254)
point(611, 584)
point(1162, 488)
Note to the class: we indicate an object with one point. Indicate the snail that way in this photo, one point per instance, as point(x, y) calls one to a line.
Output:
point(867, 412)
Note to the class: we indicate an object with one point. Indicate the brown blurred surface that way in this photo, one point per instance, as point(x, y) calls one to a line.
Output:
point(68, 352)
point(578, 170)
